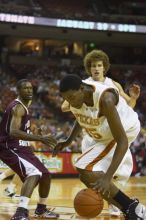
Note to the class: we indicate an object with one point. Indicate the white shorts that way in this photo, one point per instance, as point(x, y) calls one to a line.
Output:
point(97, 156)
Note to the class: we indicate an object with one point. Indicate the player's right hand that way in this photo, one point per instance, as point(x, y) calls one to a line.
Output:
point(59, 147)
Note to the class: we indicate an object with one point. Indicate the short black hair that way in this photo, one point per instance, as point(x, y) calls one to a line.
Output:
point(70, 82)
point(20, 82)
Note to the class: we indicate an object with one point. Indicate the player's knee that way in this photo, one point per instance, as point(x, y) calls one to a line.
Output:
point(88, 177)
point(33, 180)
point(84, 180)
point(81, 177)
point(46, 176)
point(98, 173)
point(90, 173)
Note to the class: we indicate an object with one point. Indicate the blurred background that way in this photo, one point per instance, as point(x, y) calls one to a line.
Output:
point(44, 40)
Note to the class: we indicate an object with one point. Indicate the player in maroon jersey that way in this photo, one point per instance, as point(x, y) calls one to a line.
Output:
point(17, 154)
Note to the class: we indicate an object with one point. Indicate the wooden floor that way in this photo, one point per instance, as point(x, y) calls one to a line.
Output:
point(61, 198)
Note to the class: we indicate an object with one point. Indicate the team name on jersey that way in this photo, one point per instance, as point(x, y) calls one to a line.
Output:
point(87, 120)
point(24, 143)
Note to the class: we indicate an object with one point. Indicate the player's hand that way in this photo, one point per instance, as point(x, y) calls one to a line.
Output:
point(102, 185)
point(134, 91)
point(59, 147)
point(49, 141)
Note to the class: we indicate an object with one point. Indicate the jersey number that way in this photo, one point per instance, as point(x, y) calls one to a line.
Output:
point(93, 133)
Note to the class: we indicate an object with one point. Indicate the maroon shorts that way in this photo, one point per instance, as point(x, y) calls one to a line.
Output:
point(20, 159)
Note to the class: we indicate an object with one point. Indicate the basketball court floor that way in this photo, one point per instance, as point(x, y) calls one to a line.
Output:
point(61, 198)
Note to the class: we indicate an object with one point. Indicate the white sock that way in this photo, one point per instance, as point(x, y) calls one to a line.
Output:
point(2, 176)
point(11, 187)
point(140, 210)
point(24, 202)
point(42, 201)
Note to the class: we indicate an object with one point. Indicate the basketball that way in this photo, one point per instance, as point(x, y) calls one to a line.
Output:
point(88, 203)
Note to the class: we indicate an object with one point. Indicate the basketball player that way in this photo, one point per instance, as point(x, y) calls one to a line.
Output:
point(11, 189)
point(97, 64)
point(17, 154)
point(98, 73)
point(112, 125)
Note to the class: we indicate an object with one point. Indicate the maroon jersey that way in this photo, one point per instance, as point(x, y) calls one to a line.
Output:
point(5, 139)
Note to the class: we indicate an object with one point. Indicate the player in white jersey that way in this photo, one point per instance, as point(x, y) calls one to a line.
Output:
point(96, 64)
point(99, 132)
point(112, 125)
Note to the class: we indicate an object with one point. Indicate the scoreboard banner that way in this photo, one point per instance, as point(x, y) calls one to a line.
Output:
point(69, 23)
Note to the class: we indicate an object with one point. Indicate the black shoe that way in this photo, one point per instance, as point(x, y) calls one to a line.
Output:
point(42, 212)
point(21, 214)
point(8, 193)
point(136, 211)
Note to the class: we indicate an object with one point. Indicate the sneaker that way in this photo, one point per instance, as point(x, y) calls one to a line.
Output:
point(113, 210)
point(42, 212)
point(136, 211)
point(8, 193)
point(21, 214)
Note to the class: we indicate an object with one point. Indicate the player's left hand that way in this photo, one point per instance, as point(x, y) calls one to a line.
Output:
point(102, 185)
point(134, 91)
point(59, 147)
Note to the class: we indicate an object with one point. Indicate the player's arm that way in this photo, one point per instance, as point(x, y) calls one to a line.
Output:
point(76, 129)
point(73, 134)
point(134, 94)
point(65, 107)
point(108, 109)
point(15, 128)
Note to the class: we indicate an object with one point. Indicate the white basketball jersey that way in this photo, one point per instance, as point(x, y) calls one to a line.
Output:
point(108, 82)
point(97, 127)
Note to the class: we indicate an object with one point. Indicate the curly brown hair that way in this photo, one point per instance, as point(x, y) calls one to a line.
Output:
point(96, 55)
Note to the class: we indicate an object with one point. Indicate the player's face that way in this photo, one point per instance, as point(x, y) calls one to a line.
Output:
point(74, 97)
point(97, 70)
point(26, 91)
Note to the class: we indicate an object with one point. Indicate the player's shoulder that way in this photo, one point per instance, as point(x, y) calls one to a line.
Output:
point(18, 109)
point(93, 82)
point(109, 81)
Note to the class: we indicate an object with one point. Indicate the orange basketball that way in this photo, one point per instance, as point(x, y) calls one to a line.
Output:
point(88, 203)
